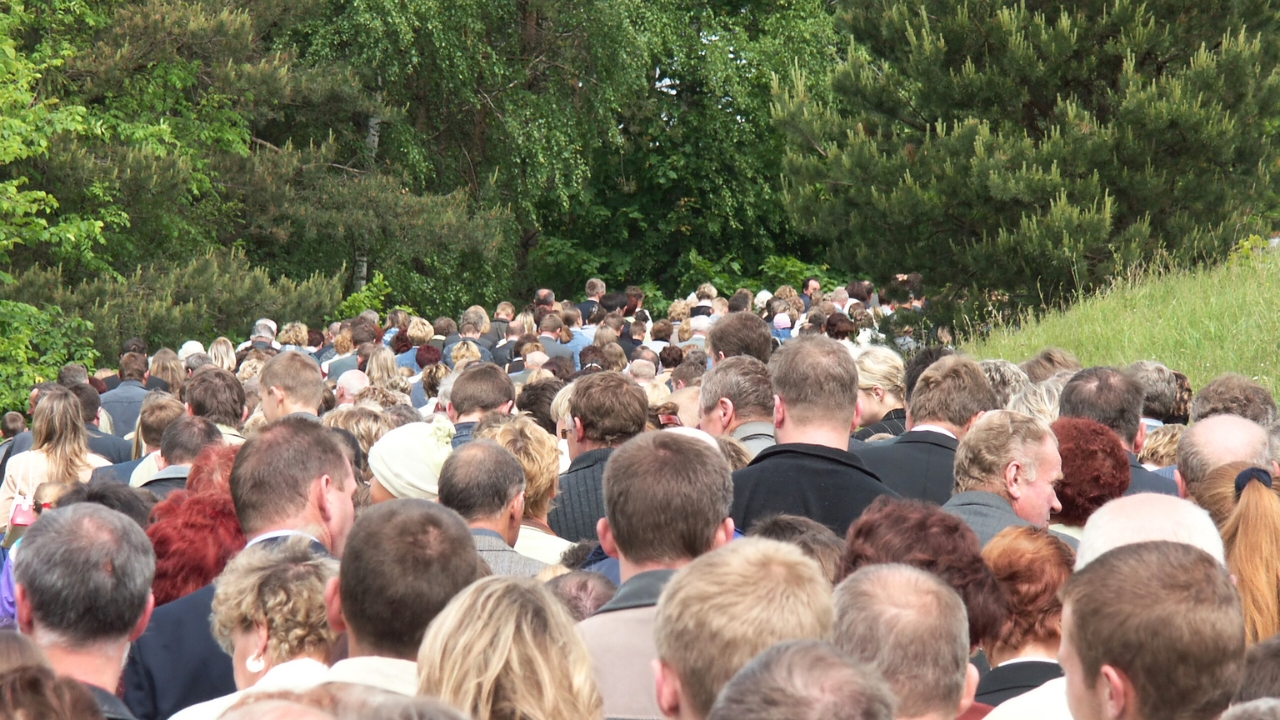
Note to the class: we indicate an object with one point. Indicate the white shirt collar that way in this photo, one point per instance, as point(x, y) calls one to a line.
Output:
point(279, 534)
point(934, 428)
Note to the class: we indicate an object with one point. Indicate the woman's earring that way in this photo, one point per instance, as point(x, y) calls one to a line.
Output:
point(254, 664)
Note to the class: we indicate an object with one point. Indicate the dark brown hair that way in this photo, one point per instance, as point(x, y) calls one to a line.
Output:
point(273, 472)
point(952, 390)
point(481, 387)
point(216, 394)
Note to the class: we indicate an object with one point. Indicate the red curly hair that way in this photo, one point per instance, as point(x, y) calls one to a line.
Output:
point(1095, 468)
point(920, 534)
point(1032, 565)
point(211, 470)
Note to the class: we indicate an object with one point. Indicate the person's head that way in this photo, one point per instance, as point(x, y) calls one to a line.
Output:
point(73, 374)
point(815, 383)
point(17, 650)
point(85, 579)
point(294, 333)
point(215, 394)
point(536, 451)
point(406, 461)
point(484, 483)
point(504, 648)
point(166, 366)
point(1147, 517)
point(293, 474)
point(133, 366)
point(1161, 446)
point(223, 354)
point(1016, 457)
point(735, 390)
point(805, 680)
point(133, 503)
point(1216, 441)
point(881, 382)
point(1031, 565)
point(405, 561)
point(922, 535)
point(1261, 672)
point(185, 438)
point(480, 389)
point(1006, 379)
point(661, 330)
point(58, 431)
point(737, 334)
point(1232, 394)
point(921, 362)
point(350, 384)
point(911, 627)
point(666, 500)
point(704, 634)
point(582, 592)
point(368, 424)
point(1108, 396)
point(34, 691)
point(269, 608)
point(1095, 468)
point(290, 382)
point(1048, 362)
point(535, 399)
point(381, 365)
point(815, 539)
point(12, 424)
point(1159, 388)
point(1151, 630)
point(595, 288)
point(953, 392)
point(605, 410)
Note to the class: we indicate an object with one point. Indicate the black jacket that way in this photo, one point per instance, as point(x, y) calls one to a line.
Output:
point(917, 465)
point(1142, 480)
point(580, 504)
point(115, 449)
point(830, 486)
point(1013, 679)
point(118, 473)
point(894, 422)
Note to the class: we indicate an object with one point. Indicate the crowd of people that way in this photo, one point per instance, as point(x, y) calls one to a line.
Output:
point(753, 508)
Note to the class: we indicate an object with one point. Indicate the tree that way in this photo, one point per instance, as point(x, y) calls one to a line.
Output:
point(1035, 149)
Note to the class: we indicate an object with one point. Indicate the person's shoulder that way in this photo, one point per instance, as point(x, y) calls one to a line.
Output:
point(97, 461)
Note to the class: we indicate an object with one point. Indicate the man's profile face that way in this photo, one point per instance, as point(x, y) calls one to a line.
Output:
point(814, 286)
point(342, 511)
point(1082, 695)
point(1039, 499)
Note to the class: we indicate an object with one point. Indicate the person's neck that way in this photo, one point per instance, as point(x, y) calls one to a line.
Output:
point(498, 525)
point(99, 665)
point(738, 421)
point(585, 446)
point(469, 417)
point(832, 436)
point(475, 336)
point(953, 429)
point(290, 407)
point(357, 649)
point(628, 569)
point(1035, 649)
point(300, 524)
point(929, 716)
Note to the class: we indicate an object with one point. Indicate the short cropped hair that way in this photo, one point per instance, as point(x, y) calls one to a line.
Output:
point(665, 495)
point(1232, 394)
point(404, 561)
point(921, 362)
point(479, 479)
point(87, 573)
point(611, 406)
point(582, 592)
point(482, 387)
point(297, 376)
point(1168, 617)
point(273, 472)
point(952, 390)
point(911, 627)
point(73, 374)
point(89, 401)
point(185, 437)
point(1006, 379)
point(1261, 672)
point(1159, 388)
point(804, 680)
point(745, 382)
point(705, 634)
point(1047, 363)
point(133, 366)
point(815, 539)
point(216, 394)
point(159, 410)
point(740, 334)
point(1104, 395)
point(817, 379)
point(997, 439)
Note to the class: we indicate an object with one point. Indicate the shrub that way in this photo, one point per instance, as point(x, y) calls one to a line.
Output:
point(34, 345)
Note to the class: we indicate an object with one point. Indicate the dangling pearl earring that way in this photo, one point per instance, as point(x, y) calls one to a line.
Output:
point(254, 664)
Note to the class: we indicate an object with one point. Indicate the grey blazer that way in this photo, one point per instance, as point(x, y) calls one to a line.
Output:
point(501, 558)
point(987, 514)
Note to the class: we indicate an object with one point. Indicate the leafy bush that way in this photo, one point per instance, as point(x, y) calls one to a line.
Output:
point(34, 345)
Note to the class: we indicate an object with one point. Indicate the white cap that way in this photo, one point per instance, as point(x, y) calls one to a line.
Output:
point(189, 348)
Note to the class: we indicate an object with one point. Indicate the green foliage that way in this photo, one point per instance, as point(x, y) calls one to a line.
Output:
point(1038, 149)
point(34, 345)
point(369, 297)
point(168, 304)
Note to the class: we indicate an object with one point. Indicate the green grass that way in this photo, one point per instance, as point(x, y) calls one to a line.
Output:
point(1201, 322)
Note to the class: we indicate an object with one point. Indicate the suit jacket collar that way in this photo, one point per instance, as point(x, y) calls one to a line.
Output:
point(1133, 461)
point(640, 591)
point(844, 457)
point(589, 458)
point(927, 437)
point(982, 498)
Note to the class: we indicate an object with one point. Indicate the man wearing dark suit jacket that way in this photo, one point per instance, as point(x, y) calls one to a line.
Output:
point(1111, 397)
point(292, 478)
point(810, 472)
point(108, 446)
point(948, 398)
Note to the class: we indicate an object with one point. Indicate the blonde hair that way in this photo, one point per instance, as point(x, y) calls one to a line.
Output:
point(367, 423)
point(560, 403)
point(880, 367)
point(280, 586)
point(223, 354)
point(678, 311)
point(166, 366)
point(464, 353)
point(506, 649)
point(419, 331)
point(251, 369)
point(294, 333)
point(706, 634)
point(684, 331)
point(1039, 400)
point(1161, 447)
point(537, 452)
point(342, 343)
point(604, 336)
point(615, 358)
point(58, 432)
point(381, 366)
point(995, 440)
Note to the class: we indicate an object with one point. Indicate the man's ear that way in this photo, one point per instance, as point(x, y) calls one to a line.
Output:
point(970, 689)
point(779, 411)
point(724, 533)
point(244, 414)
point(607, 543)
point(321, 489)
point(1140, 440)
point(188, 407)
point(453, 414)
point(1182, 484)
point(517, 507)
point(505, 408)
point(1011, 479)
point(1114, 691)
point(666, 686)
point(22, 605)
point(579, 434)
point(857, 416)
point(726, 410)
point(910, 422)
point(333, 606)
point(141, 626)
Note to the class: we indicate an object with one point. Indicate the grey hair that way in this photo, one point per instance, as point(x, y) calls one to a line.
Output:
point(910, 626)
point(1039, 400)
point(87, 571)
point(742, 379)
point(1159, 388)
point(804, 680)
point(1006, 379)
point(263, 330)
point(1261, 709)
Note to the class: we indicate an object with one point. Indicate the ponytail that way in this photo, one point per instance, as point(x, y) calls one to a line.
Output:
point(1251, 535)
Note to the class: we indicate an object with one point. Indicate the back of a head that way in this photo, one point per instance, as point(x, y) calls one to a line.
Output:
point(274, 470)
point(296, 375)
point(89, 401)
point(1032, 565)
point(86, 573)
point(404, 561)
point(911, 627)
point(186, 437)
point(12, 424)
point(1166, 617)
point(1095, 468)
point(159, 411)
point(804, 680)
point(133, 366)
point(952, 390)
point(133, 503)
point(1232, 394)
point(665, 496)
point(1159, 388)
point(1107, 396)
point(817, 379)
point(480, 479)
point(1261, 672)
point(73, 374)
point(740, 334)
point(216, 394)
point(1046, 363)
point(705, 634)
point(812, 537)
point(352, 382)
point(35, 692)
point(611, 407)
point(921, 362)
point(1217, 440)
point(1007, 379)
point(881, 367)
point(481, 388)
point(582, 592)
point(1147, 517)
point(742, 380)
point(995, 440)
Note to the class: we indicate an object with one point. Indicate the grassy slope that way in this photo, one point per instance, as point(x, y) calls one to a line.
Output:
point(1202, 323)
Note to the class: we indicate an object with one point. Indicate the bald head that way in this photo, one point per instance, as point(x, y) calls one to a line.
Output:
point(1215, 441)
point(1148, 517)
point(350, 384)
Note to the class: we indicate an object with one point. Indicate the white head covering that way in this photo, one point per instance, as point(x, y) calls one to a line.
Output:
point(762, 299)
point(694, 433)
point(189, 348)
point(700, 323)
point(407, 460)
